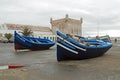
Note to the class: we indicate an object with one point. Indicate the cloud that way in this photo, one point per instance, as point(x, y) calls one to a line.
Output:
point(102, 13)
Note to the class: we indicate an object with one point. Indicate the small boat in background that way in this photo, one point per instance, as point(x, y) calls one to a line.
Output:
point(70, 49)
point(105, 38)
point(24, 42)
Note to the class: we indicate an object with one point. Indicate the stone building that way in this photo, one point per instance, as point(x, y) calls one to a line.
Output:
point(10, 28)
point(38, 31)
point(67, 25)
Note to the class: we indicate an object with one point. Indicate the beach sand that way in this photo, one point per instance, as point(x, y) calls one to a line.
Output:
point(42, 65)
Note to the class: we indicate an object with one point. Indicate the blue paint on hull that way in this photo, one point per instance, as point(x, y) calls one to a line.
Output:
point(23, 42)
point(67, 50)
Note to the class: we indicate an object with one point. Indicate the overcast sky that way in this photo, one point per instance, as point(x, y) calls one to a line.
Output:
point(99, 16)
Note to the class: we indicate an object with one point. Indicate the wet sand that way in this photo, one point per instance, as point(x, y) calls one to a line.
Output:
point(42, 65)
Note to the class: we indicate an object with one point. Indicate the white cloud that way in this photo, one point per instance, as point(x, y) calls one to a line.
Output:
point(102, 13)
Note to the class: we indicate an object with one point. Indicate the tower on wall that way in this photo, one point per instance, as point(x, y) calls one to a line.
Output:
point(67, 25)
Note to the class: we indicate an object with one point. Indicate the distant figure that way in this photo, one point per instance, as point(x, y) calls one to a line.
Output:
point(97, 37)
point(115, 40)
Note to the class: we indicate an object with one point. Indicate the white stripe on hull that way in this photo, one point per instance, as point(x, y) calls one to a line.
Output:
point(67, 48)
point(71, 44)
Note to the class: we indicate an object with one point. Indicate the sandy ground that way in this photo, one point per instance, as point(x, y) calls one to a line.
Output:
point(42, 65)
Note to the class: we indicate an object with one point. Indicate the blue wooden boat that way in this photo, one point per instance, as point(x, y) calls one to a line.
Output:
point(70, 49)
point(105, 38)
point(25, 42)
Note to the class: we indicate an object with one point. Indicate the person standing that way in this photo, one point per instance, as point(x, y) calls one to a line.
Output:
point(115, 40)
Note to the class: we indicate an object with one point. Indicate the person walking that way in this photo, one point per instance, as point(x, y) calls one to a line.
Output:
point(115, 40)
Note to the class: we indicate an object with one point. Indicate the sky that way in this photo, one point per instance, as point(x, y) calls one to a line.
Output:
point(100, 17)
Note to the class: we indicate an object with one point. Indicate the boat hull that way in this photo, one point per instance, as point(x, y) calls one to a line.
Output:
point(68, 49)
point(18, 46)
point(23, 42)
point(64, 54)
